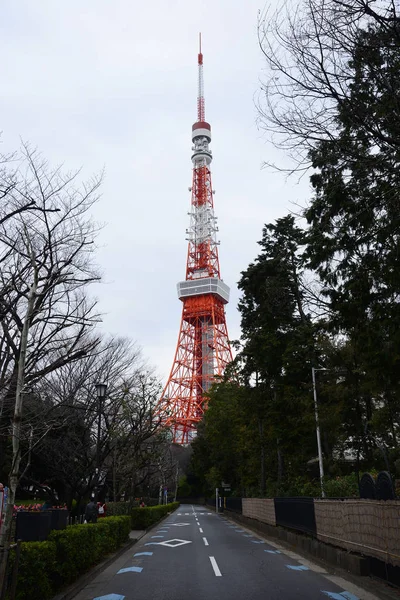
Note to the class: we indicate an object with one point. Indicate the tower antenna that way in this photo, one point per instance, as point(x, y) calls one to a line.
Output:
point(201, 115)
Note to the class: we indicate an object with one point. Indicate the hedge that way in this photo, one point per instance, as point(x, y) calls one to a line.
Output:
point(45, 567)
point(148, 515)
point(79, 547)
point(35, 569)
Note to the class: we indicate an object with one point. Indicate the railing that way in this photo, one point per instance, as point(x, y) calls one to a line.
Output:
point(296, 513)
point(234, 504)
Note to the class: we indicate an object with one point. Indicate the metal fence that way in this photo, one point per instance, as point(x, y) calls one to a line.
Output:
point(296, 513)
point(234, 504)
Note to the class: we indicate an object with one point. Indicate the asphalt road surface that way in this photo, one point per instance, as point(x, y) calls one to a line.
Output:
point(195, 554)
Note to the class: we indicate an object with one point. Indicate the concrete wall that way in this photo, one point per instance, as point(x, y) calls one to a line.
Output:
point(370, 527)
point(261, 509)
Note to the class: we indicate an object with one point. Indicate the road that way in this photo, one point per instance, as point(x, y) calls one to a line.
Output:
point(195, 554)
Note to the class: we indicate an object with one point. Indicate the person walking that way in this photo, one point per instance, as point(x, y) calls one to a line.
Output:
point(91, 512)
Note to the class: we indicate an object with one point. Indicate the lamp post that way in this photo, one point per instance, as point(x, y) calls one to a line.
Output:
point(320, 460)
point(101, 389)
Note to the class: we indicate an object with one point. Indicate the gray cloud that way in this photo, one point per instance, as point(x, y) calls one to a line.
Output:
point(98, 84)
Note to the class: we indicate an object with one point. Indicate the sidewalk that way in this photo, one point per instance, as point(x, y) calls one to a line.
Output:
point(83, 587)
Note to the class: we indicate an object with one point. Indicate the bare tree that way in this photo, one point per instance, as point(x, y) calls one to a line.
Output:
point(46, 260)
point(138, 444)
point(93, 442)
point(308, 48)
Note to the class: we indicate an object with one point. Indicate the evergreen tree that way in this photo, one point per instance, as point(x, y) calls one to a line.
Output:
point(353, 241)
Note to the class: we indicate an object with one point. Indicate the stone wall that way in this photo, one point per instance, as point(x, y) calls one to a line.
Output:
point(370, 527)
point(262, 509)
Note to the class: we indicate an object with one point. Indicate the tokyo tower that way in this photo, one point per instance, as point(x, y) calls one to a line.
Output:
point(203, 349)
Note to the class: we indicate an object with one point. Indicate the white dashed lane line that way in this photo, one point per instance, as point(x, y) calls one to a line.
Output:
point(215, 567)
point(205, 541)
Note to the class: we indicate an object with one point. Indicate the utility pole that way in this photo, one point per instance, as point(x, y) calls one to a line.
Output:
point(101, 389)
point(320, 458)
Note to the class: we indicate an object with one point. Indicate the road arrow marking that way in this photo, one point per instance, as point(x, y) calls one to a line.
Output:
point(110, 597)
point(130, 569)
point(341, 595)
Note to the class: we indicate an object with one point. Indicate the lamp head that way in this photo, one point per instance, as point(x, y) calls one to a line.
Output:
point(101, 389)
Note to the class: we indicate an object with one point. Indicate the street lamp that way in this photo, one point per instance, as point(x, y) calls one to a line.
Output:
point(101, 389)
point(320, 460)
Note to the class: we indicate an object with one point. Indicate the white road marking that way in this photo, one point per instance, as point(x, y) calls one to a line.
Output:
point(205, 541)
point(200, 529)
point(170, 543)
point(215, 566)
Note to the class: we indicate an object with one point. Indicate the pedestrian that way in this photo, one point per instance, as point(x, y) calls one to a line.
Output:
point(142, 504)
point(91, 512)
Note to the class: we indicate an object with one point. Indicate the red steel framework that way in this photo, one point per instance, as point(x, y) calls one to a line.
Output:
point(203, 349)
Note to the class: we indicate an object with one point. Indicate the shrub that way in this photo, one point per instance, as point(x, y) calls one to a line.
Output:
point(141, 518)
point(36, 564)
point(343, 486)
point(44, 567)
point(79, 547)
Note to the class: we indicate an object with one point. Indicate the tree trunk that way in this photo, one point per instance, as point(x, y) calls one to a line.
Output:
point(115, 474)
point(5, 534)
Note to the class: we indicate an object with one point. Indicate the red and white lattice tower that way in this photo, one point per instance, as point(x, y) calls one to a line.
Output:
point(203, 349)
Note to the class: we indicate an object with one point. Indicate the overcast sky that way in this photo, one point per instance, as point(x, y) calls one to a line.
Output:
point(113, 83)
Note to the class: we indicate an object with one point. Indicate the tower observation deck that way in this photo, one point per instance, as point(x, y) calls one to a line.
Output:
point(203, 349)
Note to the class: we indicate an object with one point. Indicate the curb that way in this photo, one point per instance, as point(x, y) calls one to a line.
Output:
point(82, 582)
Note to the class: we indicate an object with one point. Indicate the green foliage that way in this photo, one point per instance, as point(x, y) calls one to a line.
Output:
point(144, 517)
point(45, 567)
point(36, 564)
point(264, 426)
point(79, 547)
point(353, 240)
point(344, 486)
point(184, 488)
